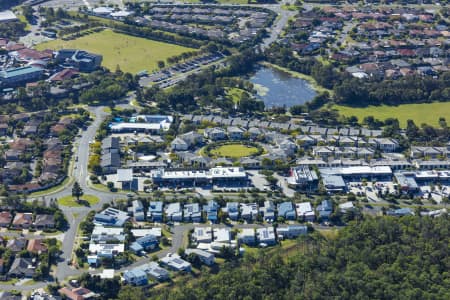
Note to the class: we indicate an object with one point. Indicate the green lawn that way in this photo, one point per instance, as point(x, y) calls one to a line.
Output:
point(131, 54)
point(421, 113)
point(234, 150)
point(52, 189)
point(234, 94)
point(72, 202)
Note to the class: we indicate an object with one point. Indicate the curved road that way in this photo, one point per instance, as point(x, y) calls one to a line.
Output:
point(75, 215)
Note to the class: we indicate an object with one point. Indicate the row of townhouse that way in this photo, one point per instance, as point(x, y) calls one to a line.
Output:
point(254, 126)
point(26, 220)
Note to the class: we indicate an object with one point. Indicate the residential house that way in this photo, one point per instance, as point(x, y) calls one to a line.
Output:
point(305, 212)
point(22, 267)
point(346, 206)
point(3, 129)
point(286, 210)
point(288, 146)
point(222, 235)
point(232, 209)
point(178, 144)
point(250, 163)
point(174, 262)
point(191, 138)
point(135, 277)
point(137, 209)
point(148, 242)
point(16, 245)
point(37, 246)
point(291, 231)
point(153, 270)
point(429, 152)
point(247, 236)
point(384, 144)
point(249, 211)
point(401, 212)
point(12, 155)
point(268, 211)
point(111, 217)
point(174, 212)
point(254, 133)
point(266, 235)
point(202, 234)
point(235, 133)
point(211, 210)
point(192, 213)
point(205, 257)
point(5, 218)
point(155, 211)
point(44, 221)
point(110, 162)
point(22, 220)
point(325, 209)
point(215, 134)
point(79, 293)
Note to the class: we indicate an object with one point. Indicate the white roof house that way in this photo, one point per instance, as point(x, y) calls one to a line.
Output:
point(174, 212)
point(266, 235)
point(206, 257)
point(106, 250)
point(346, 206)
point(305, 210)
point(174, 262)
point(203, 234)
point(155, 231)
point(222, 235)
point(124, 175)
point(247, 236)
point(7, 16)
point(102, 10)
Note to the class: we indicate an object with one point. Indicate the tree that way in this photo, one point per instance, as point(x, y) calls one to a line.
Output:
point(161, 64)
point(131, 293)
point(77, 191)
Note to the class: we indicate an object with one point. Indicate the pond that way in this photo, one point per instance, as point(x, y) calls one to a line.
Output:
point(277, 88)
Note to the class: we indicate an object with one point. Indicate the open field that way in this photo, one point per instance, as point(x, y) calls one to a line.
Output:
point(131, 54)
point(72, 201)
point(421, 113)
point(234, 150)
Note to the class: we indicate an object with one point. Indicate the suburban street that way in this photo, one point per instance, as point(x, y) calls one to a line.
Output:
point(79, 172)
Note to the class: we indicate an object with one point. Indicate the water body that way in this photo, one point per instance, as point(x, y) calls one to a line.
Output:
point(277, 88)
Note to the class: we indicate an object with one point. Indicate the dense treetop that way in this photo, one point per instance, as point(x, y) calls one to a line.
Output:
point(378, 258)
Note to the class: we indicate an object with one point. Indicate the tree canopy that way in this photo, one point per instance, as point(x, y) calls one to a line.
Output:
point(378, 258)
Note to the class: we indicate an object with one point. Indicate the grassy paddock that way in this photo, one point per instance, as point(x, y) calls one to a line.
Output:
point(421, 113)
point(131, 54)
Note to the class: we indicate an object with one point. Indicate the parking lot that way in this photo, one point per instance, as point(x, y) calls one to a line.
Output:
point(168, 76)
point(371, 190)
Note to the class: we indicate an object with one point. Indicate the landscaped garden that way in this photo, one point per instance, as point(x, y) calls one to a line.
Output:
point(233, 149)
point(85, 200)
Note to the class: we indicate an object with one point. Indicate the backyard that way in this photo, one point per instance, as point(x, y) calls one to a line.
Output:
point(131, 54)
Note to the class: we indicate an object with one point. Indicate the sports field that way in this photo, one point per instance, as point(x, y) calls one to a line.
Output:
point(420, 113)
point(131, 54)
point(234, 151)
